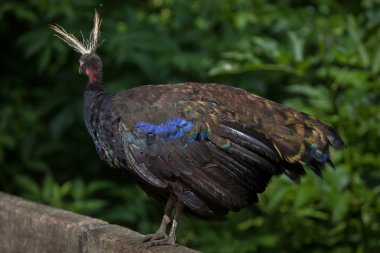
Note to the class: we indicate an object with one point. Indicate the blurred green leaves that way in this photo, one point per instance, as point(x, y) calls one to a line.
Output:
point(321, 57)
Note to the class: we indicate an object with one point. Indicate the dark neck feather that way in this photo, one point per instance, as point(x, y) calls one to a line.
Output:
point(96, 99)
point(98, 118)
point(94, 87)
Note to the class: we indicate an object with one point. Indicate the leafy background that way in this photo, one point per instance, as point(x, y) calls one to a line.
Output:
point(321, 57)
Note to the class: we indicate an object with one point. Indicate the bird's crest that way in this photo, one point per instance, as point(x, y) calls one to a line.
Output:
point(87, 46)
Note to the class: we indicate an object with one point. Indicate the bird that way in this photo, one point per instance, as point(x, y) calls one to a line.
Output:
point(203, 149)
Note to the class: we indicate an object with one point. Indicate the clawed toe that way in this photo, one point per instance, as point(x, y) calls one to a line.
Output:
point(155, 237)
point(164, 241)
point(161, 237)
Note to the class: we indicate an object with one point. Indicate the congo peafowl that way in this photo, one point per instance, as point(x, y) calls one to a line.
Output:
point(205, 149)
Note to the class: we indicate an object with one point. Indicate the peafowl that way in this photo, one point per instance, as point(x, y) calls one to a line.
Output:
point(204, 149)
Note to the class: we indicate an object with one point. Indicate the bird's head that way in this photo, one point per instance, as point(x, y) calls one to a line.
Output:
point(90, 63)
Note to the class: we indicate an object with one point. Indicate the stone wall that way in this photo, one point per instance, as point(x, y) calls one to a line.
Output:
point(28, 227)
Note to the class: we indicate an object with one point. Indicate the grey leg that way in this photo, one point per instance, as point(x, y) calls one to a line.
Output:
point(157, 238)
point(172, 235)
point(161, 232)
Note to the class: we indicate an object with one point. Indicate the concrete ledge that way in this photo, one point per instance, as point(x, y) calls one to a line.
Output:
point(26, 226)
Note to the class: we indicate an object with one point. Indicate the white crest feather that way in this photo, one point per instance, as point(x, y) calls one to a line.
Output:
point(86, 46)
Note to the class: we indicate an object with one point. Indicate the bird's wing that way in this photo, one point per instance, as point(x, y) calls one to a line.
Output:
point(209, 151)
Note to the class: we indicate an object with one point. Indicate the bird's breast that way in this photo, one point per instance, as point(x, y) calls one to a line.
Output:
point(109, 149)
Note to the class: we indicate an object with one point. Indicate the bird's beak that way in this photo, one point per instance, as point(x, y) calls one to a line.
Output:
point(81, 67)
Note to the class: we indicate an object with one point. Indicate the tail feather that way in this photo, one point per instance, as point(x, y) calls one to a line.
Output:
point(248, 138)
point(334, 139)
point(294, 171)
point(283, 151)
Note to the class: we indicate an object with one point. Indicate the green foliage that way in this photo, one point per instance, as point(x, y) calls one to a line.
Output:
point(321, 57)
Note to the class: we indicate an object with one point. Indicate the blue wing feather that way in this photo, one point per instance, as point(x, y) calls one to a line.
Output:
point(170, 129)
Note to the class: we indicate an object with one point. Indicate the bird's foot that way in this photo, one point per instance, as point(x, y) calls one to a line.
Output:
point(163, 241)
point(159, 235)
point(159, 238)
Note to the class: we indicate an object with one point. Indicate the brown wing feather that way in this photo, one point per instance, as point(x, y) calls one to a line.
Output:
point(296, 136)
point(249, 139)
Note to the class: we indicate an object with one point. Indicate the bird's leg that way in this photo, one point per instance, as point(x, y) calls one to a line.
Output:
point(161, 232)
point(172, 235)
point(169, 240)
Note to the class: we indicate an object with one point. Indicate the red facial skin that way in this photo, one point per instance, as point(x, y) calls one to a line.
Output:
point(91, 65)
point(92, 75)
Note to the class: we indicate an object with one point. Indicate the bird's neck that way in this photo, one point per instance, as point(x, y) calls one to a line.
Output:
point(96, 99)
point(93, 90)
point(98, 118)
